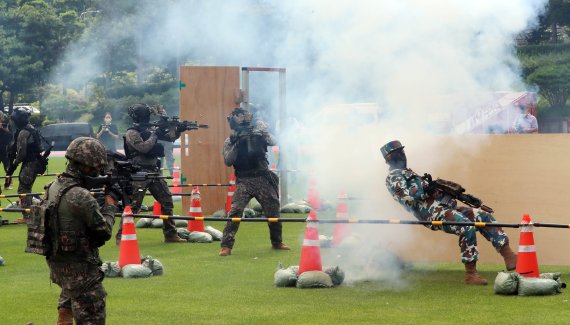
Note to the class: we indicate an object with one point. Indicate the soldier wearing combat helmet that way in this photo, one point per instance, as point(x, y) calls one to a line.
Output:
point(427, 204)
point(77, 226)
point(142, 148)
point(246, 150)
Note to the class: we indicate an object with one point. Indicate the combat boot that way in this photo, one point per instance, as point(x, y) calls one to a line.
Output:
point(174, 239)
point(509, 256)
point(472, 276)
point(64, 317)
point(281, 247)
point(225, 251)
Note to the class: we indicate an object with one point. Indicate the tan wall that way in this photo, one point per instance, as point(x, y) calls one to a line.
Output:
point(514, 174)
point(209, 95)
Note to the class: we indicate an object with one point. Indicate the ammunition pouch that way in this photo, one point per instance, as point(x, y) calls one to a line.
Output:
point(71, 241)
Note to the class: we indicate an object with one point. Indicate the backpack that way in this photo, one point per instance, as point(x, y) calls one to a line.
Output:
point(39, 220)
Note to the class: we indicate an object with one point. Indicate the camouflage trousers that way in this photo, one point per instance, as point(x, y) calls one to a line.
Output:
point(159, 190)
point(27, 177)
point(266, 192)
point(81, 290)
point(467, 234)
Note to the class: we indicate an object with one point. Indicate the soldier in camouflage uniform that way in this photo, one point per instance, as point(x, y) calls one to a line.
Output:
point(80, 225)
point(246, 150)
point(413, 192)
point(28, 147)
point(142, 149)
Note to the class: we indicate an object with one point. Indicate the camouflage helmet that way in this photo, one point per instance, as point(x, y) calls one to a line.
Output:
point(138, 111)
point(239, 116)
point(390, 147)
point(87, 151)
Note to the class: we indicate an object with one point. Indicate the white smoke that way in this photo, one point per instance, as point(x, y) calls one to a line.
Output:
point(408, 56)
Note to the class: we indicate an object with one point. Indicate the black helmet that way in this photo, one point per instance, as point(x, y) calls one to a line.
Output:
point(140, 112)
point(20, 116)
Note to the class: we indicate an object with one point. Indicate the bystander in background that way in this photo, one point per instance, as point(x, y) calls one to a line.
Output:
point(526, 122)
point(108, 133)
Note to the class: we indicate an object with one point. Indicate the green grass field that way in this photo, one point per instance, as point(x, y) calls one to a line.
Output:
point(199, 287)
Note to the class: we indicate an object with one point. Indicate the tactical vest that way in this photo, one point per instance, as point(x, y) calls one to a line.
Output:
point(143, 130)
point(33, 150)
point(252, 156)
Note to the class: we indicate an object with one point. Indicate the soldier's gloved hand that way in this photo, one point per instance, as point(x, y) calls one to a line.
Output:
point(115, 192)
point(100, 199)
point(153, 129)
point(234, 137)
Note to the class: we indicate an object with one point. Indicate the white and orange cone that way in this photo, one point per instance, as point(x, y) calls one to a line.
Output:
point(196, 212)
point(231, 191)
point(341, 230)
point(129, 249)
point(311, 251)
point(527, 264)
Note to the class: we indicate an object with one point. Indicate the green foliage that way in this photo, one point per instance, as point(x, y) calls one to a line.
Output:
point(554, 83)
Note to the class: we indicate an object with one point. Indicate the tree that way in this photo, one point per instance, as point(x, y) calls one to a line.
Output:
point(553, 82)
point(33, 36)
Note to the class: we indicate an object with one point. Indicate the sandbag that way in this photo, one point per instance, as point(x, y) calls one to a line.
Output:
point(111, 269)
point(303, 208)
point(288, 208)
point(538, 286)
point(314, 279)
point(136, 271)
point(335, 273)
point(506, 283)
point(219, 214)
point(183, 233)
point(199, 237)
point(249, 213)
point(153, 264)
point(156, 223)
point(284, 277)
point(1, 261)
point(144, 223)
point(325, 241)
point(180, 223)
point(215, 233)
point(256, 206)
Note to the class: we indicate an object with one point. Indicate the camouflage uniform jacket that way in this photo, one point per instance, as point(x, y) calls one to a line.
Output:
point(140, 149)
point(81, 226)
point(231, 150)
point(408, 188)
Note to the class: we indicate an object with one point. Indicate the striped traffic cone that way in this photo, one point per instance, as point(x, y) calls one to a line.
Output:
point(231, 191)
point(311, 251)
point(195, 211)
point(341, 230)
point(176, 189)
point(527, 264)
point(129, 250)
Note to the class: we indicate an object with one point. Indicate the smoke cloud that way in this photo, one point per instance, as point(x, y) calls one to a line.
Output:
point(418, 61)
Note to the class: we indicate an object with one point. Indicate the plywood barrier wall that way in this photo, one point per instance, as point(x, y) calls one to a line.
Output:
point(208, 95)
point(514, 174)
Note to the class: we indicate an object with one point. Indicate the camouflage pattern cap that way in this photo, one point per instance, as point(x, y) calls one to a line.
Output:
point(390, 147)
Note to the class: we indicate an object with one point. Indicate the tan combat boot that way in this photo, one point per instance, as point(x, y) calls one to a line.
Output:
point(225, 251)
point(472, 276)
point(509, 256)
point(174, 239)
point(64, 317)
point(281, 247)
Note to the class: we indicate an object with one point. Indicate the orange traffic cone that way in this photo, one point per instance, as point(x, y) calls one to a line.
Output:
point(311, 251)
point(195, 211)
point(527, 265)
point(129, 250)
point(231, 191)
point(313, 198)
point(156, 208)
point(341, 230)
point(176, 189)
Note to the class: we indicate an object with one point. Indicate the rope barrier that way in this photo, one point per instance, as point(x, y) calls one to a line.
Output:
point(14, 210)
point(191, 185)
point(38, 175)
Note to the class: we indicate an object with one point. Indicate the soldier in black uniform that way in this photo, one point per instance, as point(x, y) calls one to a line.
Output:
point(142, 149)
point(246, 151)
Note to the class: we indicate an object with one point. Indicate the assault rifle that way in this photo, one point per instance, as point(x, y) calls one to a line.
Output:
point(118, 182)
point(452, 190)
point(169, 129)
